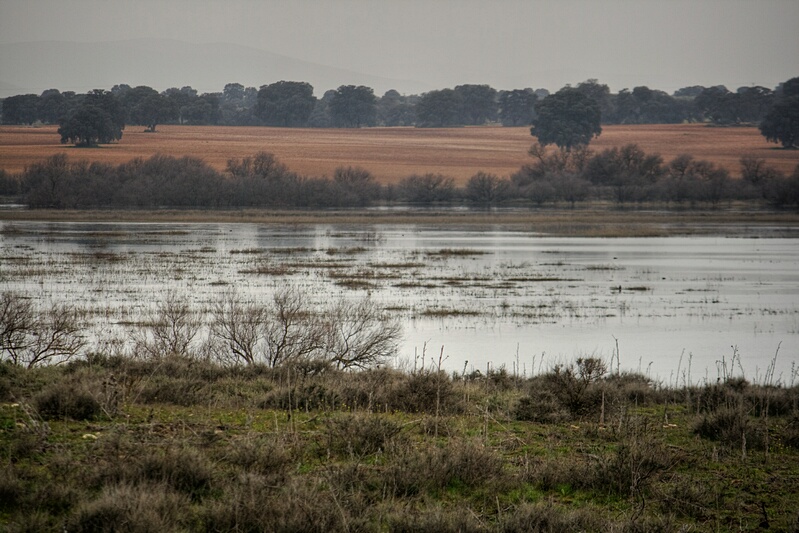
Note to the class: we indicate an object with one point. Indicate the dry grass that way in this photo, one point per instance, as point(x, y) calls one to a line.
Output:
point(599, 221)
point(389, 153)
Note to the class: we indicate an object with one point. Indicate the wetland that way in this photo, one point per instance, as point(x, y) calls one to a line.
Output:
point(679, 308)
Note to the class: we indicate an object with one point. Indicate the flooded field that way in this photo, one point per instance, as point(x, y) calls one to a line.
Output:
point(676, 308)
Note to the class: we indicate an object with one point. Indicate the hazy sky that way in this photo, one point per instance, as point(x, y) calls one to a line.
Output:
point(664, 44)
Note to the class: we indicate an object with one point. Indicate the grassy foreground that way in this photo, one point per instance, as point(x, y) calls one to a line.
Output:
point(177, 444)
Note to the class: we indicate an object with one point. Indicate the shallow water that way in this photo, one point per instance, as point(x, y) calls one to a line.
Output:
point(677, 308)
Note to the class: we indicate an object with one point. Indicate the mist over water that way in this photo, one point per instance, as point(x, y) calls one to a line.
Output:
point(675, 308)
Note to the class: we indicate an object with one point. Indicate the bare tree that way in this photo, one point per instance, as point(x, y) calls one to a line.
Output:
point(29, 338)
point(287, 330)
point(360, 335)
point(292, 331)
point(240, 327)
point(169, 332)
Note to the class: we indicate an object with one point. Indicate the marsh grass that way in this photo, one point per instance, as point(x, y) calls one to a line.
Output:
point(197, 446)
point(591, 221)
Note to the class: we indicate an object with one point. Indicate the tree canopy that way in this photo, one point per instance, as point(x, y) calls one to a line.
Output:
point(89, 125)
point(437, 109)
point(517, 107)
point(286, 103)
point(353, 107)
point(781, 124)
point(148, 107)
point(567, 119)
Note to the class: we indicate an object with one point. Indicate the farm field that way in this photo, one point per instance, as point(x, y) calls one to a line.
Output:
point(389, 153)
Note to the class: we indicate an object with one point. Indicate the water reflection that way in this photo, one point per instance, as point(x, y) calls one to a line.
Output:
point(490, 297)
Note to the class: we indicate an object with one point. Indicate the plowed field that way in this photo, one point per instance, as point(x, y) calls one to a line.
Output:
point(389, 153)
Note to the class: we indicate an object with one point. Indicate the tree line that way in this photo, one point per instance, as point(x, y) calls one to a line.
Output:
point(293, 104)
point(625, 176)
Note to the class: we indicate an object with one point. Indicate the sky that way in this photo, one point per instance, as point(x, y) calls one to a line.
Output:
point(508, 44)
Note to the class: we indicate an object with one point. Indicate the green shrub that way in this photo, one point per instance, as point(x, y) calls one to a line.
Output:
point(724, 425)
point(64, 400)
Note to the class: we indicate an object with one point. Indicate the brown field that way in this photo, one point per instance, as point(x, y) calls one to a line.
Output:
point(389, 153)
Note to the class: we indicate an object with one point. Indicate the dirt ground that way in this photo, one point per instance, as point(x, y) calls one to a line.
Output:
point(389, 153)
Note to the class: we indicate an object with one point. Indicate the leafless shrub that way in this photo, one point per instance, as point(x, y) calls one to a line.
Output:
point(754, 170)
point(281, 332)
point(488, 189)
point(31, 338)
point(359, 335)
point(427, 188)
point(355, 186)
point(263, 166)
point(292, 333)
point(239, 326)
point(169, 332)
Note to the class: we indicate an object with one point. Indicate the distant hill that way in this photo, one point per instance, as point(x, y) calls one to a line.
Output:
point(33, 67)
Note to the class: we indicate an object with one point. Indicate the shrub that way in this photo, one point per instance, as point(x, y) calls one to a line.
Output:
point(730, 427)
point(169, 332)
point(11, 488)
point(637, 461)
point(132, 509)
point(790, 433)
point(63, 400)
point(33, 522)
point(435, 521)
point(541, 406)
point(548, 517)
point(360, 435)
point(420, 392)
point(186, 470)
point(31, 337)
point(427, 189)
point(574, 386)
point(459, 464)
point(267, 456)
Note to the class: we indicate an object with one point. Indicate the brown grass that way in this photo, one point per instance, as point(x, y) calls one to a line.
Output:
point(598, 221)
point(389, 153)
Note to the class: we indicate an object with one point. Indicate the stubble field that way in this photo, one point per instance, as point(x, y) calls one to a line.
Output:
point(389, 153)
